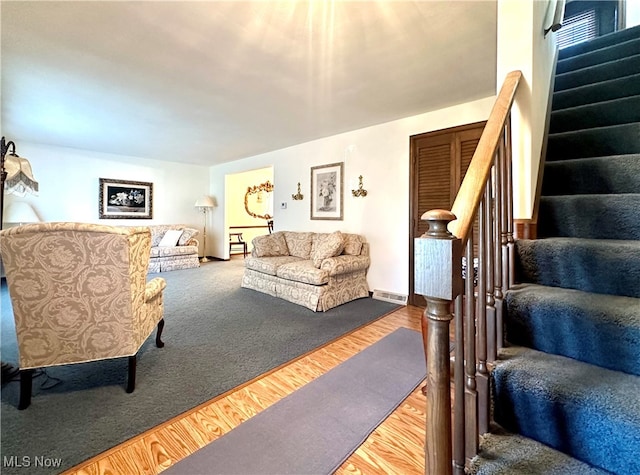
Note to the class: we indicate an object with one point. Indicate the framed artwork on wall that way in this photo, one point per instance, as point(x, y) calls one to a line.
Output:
point(327, 191)
point(124, 199)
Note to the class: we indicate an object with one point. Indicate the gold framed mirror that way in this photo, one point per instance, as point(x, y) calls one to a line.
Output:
point(258, 201)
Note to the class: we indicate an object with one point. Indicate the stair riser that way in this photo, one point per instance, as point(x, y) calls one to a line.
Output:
point(602, 72)
point(612, 140)
point(617, 111)
point(603, 55)
point(611, 268)
point(599, 175)
point(576, 325)
point(598, 92)
point(590, 216)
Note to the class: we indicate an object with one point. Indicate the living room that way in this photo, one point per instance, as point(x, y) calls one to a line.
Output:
point(378, 152)
point(69, 176)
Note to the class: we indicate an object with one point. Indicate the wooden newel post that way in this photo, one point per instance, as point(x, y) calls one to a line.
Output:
point(438, 277)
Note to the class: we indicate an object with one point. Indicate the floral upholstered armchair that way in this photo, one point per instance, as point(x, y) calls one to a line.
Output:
point(79, 293)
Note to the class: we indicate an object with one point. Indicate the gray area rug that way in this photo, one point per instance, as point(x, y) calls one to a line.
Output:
point(217, 336)
point(316, 428)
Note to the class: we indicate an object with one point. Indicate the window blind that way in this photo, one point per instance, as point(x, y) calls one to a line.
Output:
point(577, 28)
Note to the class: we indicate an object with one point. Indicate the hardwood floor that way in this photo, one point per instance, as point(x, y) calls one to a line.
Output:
point(396, 446)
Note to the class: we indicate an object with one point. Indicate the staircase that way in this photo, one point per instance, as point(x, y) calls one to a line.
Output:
point(566, 388)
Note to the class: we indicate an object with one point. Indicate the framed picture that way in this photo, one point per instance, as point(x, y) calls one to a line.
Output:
point(327, 193)
point(120, 199)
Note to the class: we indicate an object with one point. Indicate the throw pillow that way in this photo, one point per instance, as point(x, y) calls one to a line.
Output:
point(170, 238)
point(299, 243)
point(326, 245)
point(352, 244)
point(270, 245)
point(187, 233)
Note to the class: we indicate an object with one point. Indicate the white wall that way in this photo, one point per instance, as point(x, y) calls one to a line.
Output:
point(381, 155)
point(522, 45)
point(69, 180)
point(632, 13)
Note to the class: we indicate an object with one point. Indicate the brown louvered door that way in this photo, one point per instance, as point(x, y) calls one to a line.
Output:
point(439, 161)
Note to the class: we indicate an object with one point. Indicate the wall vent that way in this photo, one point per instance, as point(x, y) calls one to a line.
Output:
point(390, 297)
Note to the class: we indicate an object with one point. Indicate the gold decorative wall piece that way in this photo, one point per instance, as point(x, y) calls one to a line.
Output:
point(298, 195)
point(258, 200)
point(360, 191)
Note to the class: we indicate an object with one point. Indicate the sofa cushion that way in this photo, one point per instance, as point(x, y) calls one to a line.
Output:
point(170, 238)
point(303, 271)
point(268, 265)
point(326, 245)
point(167, 251)
point(352, 244)
point(270, 245)
point(187, 233)
point(299, 244)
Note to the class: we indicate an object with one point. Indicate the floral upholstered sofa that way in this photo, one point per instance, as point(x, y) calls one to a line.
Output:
point(173, 246)
point(317, 270)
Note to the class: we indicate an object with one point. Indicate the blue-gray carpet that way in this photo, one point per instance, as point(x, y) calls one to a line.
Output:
point(316, 428)
point(570, 379)
point(217, 336)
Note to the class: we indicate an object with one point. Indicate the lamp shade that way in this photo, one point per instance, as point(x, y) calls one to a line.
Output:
point(19, 176)
point(19, 212)
point(205, 202)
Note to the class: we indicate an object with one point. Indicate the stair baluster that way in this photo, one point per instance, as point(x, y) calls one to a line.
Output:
point(438, 277)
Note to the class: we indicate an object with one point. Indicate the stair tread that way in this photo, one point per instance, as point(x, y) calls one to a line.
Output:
point(549, 397)
point(606, 128)
point(597, 73)
point(606, 266)
point(576, 324)
point(600, 42)
point(621, 110)
point(631, 244)
point(617, 309)
point(592, 216)
point(505, 453)
point(599, 55)
point(598, 141)
point(602, 90)
point(612, 392)
point(592, 175)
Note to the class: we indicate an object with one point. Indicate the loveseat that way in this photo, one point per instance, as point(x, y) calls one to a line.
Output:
point(178, 250)
point(317, 270)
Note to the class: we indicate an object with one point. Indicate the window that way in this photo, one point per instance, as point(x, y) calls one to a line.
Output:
point(578, 28)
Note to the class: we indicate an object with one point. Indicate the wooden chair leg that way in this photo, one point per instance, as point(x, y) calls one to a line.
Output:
point(159, 342)
point(26, 375)
point(131, 380)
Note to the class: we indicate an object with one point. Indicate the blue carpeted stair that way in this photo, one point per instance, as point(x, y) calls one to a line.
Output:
point(569, 378)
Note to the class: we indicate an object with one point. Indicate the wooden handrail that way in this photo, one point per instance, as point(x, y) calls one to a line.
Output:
point(485, 196)
point(472, 187)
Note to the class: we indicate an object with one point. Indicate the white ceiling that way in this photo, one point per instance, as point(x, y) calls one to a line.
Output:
point(207, 82)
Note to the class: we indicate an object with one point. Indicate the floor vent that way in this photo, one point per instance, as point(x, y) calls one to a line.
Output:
point(390, 297)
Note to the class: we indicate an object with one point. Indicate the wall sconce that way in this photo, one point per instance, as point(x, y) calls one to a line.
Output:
point(360, 191)
point(298, 195)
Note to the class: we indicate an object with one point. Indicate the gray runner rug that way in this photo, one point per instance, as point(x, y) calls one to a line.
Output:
point(316, 428)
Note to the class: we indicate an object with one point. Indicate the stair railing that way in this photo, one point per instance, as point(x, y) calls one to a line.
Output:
point(468, 290)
